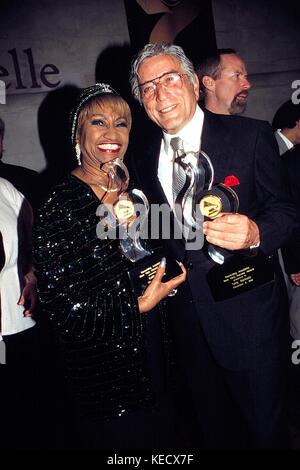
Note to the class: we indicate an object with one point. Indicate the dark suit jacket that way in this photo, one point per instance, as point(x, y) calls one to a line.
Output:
point(244, 330)
point(291, 251)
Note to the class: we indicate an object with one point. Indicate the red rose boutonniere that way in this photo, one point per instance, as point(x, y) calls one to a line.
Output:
point(231, 180)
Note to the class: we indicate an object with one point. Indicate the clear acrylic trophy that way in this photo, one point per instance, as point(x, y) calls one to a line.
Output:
point(208, 200)
point(125, 218)
point(237, 271)
point(127, 214)
point(199, 175)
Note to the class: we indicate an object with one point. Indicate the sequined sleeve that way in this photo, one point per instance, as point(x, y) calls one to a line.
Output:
point(84, 288)
point(81, 280)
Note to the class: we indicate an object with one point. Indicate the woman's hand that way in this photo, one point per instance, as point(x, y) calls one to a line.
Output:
point(158, 290)
point(28, 297)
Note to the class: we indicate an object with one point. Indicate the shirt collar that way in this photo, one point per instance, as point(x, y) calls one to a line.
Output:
point(287, 141)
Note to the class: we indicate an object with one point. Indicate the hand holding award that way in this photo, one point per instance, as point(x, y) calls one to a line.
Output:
point(229, 236)
point(124, 220)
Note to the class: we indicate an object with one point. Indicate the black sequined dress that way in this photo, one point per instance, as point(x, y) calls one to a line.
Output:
point(84, 288)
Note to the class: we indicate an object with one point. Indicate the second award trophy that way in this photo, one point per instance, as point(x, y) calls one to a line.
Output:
point(234, 271)
point(124, 219)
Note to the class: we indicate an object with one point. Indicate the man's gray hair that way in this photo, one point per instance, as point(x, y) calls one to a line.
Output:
point(151, 50)
point(2, 128)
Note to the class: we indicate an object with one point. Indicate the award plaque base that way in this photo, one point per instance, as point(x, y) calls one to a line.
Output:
point(239, 274)
point(144, 271)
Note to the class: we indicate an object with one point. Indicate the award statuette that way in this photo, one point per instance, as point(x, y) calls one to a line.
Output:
point(131, 211)
point(199, 175)
point(124, 220)
point(235, 271)
point(204, 177)
point(220, 198)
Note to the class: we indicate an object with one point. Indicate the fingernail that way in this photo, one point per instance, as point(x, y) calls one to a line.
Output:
point(163, 262)
point(179, 262)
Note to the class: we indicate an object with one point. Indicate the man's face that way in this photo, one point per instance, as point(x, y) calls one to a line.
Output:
point(170, 108)
point(230, 90)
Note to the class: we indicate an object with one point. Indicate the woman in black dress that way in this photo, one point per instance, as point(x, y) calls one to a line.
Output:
point(84, 287)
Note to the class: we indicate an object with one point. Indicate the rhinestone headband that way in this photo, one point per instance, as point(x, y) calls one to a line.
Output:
point(86, 94)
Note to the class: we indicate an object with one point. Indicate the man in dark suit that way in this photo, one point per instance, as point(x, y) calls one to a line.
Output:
point(291, 251)
point(234, 351)
point(286, 125)
point(291, 258)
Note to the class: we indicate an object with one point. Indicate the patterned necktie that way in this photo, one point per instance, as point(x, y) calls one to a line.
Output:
point(178, 170)
point(183, 210)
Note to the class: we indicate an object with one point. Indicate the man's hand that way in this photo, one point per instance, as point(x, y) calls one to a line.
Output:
point(158, 290)
point(232, 231)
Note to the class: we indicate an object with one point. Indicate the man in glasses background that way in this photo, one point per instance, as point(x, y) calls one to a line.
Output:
point(233, 352)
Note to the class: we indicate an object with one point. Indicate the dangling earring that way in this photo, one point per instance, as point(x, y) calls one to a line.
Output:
point(78, 153)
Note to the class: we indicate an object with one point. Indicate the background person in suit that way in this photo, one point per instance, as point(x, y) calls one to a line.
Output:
point(224, 82)
point(291, 251)
point(20, 386)
point(234, 351)
point(291, 259)
point(286, 125)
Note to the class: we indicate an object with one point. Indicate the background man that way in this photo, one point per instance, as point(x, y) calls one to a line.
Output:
point(224, 82)
point(286, 125)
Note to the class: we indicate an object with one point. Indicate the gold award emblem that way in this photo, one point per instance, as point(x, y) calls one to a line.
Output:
point(210, 206)
point(124, 210)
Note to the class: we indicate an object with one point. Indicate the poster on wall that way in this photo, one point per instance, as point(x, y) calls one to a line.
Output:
point(188, 23)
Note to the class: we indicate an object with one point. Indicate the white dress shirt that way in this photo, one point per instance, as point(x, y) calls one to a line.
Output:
point(15, 227)
point(191, 136)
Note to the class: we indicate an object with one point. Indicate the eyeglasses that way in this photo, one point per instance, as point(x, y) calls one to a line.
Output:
point(168, 80)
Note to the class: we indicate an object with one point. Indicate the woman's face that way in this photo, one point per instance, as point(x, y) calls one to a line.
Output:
point(104, 136)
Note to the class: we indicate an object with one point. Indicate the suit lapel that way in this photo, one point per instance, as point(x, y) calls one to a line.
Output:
point(148, 170)
point(151, 186)
point(218, 143)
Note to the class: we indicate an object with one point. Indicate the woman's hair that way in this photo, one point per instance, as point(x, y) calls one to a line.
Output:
point(151, 50)
point(117, 104)
point(97, 95)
